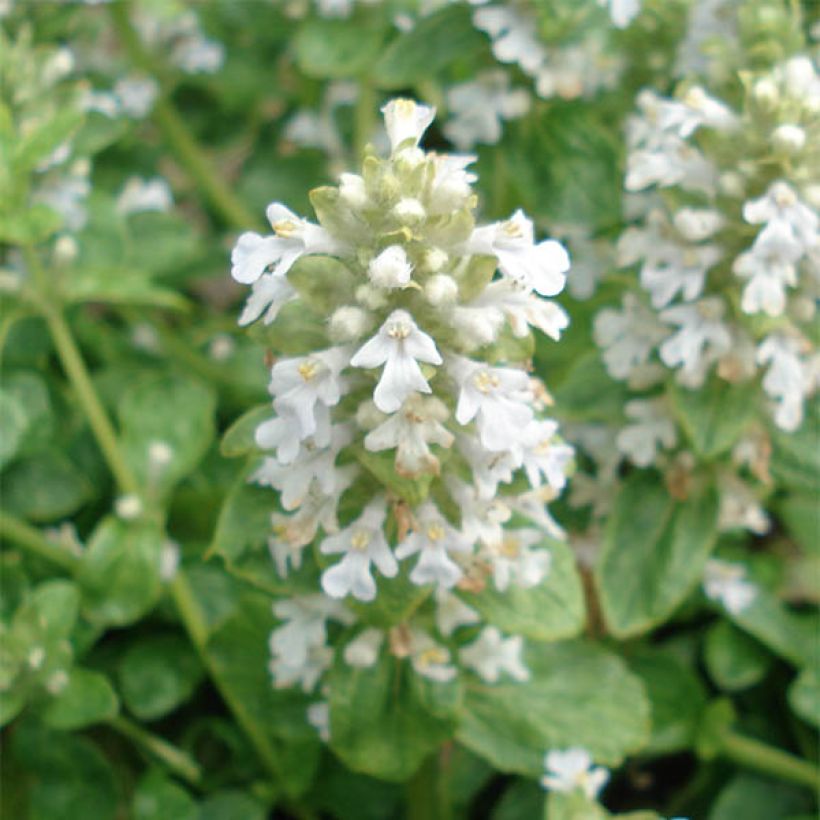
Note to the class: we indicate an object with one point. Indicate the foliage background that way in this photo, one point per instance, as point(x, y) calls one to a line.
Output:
point(168, 710)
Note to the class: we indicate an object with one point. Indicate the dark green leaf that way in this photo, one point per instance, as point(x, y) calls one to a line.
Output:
point(331, 49)
point(157, 797)
point(733, 659)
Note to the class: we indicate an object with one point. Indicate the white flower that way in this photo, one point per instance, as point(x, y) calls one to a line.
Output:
point(671, 268)
point(523, 308)
point(489, 468)
point(450, 187)
point(652, 429)
point(363, 543)
point(284, 435)
point(145, 195)
point(541, 267)
point(740, 507)
point(490, 655)
point(697, 224)
point(515, 561)
point(514, 36)
point(452, 612)
point(498, 398)
point(702, 337)
point(770, 267)
point(433, 537)
point(390, 269)
point(318, 716)
point(286, 672)
point(304, 624)
point(622, 11)
point(628, 336)
point(411, 430)
point(399, 345)
point(725, 582)
point(363, 650)
point(429, 659)
point(544, 456)
point(300, 384)
point(313, 463)
point(695, 109)
point(780, 204)
point(198, 55)
point(269, 293)
point(294, 237)
point(477, 108)
point(406, 121)
point(572, 769)
point(789, 378)
point(136, 95)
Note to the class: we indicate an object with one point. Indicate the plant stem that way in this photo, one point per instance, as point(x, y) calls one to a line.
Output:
point(32, 539)
point(363, 117)
point(103, 430)
point(194, 622)
point(746, 751)
point(175, 130)
point(178, 762)
point(423, 801)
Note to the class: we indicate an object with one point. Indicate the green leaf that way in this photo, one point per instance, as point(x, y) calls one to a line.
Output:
point(804, 696)
point(176, 413)
point(157, 674)
point(383, 466)
point(733, 659)
point(431, 45)
point(654, 553)
point(239, 437)
point(157, 797)
point(231, 804)
point(801, 515)
point(239, 655)
point(29, 227)
point(578, 695)
point(553, 610)
point(386, 719)
point(11, 704)
point(331, 49)
point(44, 487)
point(322, 282)
point(120, 572)
point(69, 775)
point(795, 458)
point(588, 393)
point(752, 797)
point(41, 141)
point(13, 425)
point(123, 286)
point(677, 699)
point(56, 604)
point(715, 416)
point(88, 698)
point(32, 392)
point(295, 330)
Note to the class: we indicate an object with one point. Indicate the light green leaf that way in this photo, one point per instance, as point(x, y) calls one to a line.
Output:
point(322, 282)
point(175, 413)
point(56, 604)
point(382, 465)
point(88, 698)
point(677, 699)
point(654, 553)
point(119, 572)
point(795, 458)
point(29, 227)
point(331, 49)
point(32, 392)
point(804, 696)
point(123, 286)
point(386, 719)
point(801, 514)
point(44, 487)
point(11, 704)
point(157, 674)
point(752, 797)
point(157, 797)
point(41, 141)
point(578, 695)
point(13, 425)
point(231, 804)
point(715, 416)
point(296, 329)
point(553, 610)
point(432, 44)
point(733, 659)
point(239, 437)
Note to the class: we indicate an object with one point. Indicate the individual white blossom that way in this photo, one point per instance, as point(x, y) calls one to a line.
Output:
point(622, 11)
point(545, 458)
point(145, 195)
point(516, 560)
point(318, 716)
point(399, 345)
point(452, 612)
point(429, 659)
point(433, 538)
point(651, 430)
point(572, 770)
point(406, 121)
point(790, 377)
point(492, 655)
point(726, 583)
point(363, 543)
point(363, 650)
point(390, 269)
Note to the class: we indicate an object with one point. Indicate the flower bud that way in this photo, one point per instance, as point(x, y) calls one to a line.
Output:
point(435, 259)
point(348, 323)
point(766, 94)
point(371, 297)
point(352, 191)
point(65, 249)
point(128, 507)
point(441, 290)
point(789, 139)
point(390, 269)
point(409, 210)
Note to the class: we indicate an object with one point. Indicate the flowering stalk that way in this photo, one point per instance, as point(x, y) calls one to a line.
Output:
point(408, 445)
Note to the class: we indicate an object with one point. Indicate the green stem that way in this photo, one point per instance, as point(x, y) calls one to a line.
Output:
point(746, 751)
point(423, 801)
point(35, 542)
point(363, 118)
point(178, 762)
point(196, 626)
point(176, 132)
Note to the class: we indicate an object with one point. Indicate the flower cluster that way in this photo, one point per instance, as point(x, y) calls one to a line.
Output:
point(408, 444)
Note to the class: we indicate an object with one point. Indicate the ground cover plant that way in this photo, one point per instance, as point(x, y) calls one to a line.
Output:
point(408, 409)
